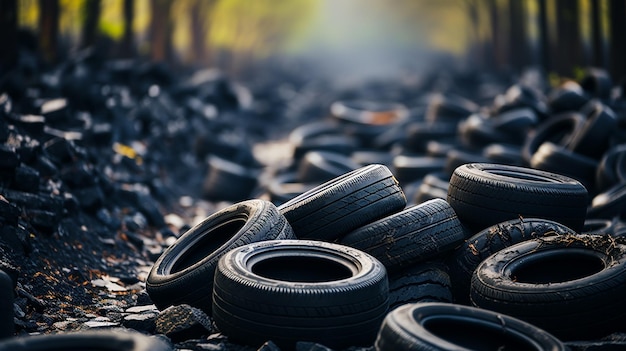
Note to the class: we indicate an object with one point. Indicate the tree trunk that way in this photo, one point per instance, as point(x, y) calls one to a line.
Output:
point(90, 26)
point(544, 36)
point(617, 10)
point(500, 44)
point(8, 34)
point(128, 44)
point(517, 35)
point(161, 30)
point(197, 28)
point(48, 28)
point(597, 40)
point(569, 54)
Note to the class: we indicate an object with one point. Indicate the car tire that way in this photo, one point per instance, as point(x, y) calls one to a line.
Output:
point(333, 209)
point(573, 286)
point(414, 235)
point(183, 274)
point(444, 326)
point(299, 290)
point(485, 194)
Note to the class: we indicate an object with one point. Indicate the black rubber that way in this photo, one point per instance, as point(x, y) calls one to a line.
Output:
point(423, 282)
point(183, 274)
point(504, 154)
point(485, 194)
point(285, 187)
point(608, 204)
point(557, 129)
point(599, 226)
point(597, 83)
point(7, 292)
point(444, 326)
point(573, 286)
point(593, 138)
point(412, 168)
point(228, 181)
point(491, 240)
point(101, 340)
point(554, 158)
point(321, 166)
point(345, 203)
point(433, 186)
point(299, 290)
point(612, 167)
point(413, 235)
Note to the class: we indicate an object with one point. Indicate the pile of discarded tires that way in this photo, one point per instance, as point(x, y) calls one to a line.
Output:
point(348, 264)
point(463, 228)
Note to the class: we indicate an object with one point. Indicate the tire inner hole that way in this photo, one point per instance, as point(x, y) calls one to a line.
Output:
point(476, 334)
point(302, 269)
point(210, 241)
point(555, 266)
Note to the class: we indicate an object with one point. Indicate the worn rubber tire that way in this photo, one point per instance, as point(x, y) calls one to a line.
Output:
point(423, 282)
point(593, 138)
point(183, 274)
point(485, 194)
point(433, 186)
point(555, 158)
point(444, 326)
point(228, 181)
point(416, 234)
point(321, 166)
point(573, 286)
point(557, 129)
point(413, 168)
point(491, 240)
point(345, 203)
point(609, 204)
point(103, 340)
point(299, 290)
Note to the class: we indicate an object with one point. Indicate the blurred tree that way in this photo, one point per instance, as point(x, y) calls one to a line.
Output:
point(568, 54)
point(517, 35)
point(597, 39)
point(200, 11)
point(90, 25)
point(8, 34)
point(128, 45)
point(499, 43)
point(544, 35)
point(617, 10)
point(49, 28)
point(161, 31)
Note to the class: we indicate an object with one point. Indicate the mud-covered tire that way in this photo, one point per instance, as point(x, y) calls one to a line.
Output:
point(485, 194)
point(573, 286)
point(444, 326)
point(105, 340)
point(183, 274)
point(299, 290)
point(416, 234)
point(483, 244)
point(332, 209)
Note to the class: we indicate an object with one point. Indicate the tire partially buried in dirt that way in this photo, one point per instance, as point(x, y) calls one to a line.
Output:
point(484, 194)
point(183, 274)
point(101, 340)
point(442, 326)
point(299, 290)
point(572, 286)
point(345, 203)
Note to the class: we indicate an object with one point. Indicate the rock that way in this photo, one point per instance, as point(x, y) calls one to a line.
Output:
point(183, 322)
point(143, 322)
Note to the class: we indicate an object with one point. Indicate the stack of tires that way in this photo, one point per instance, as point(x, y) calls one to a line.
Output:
point(450, 227)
